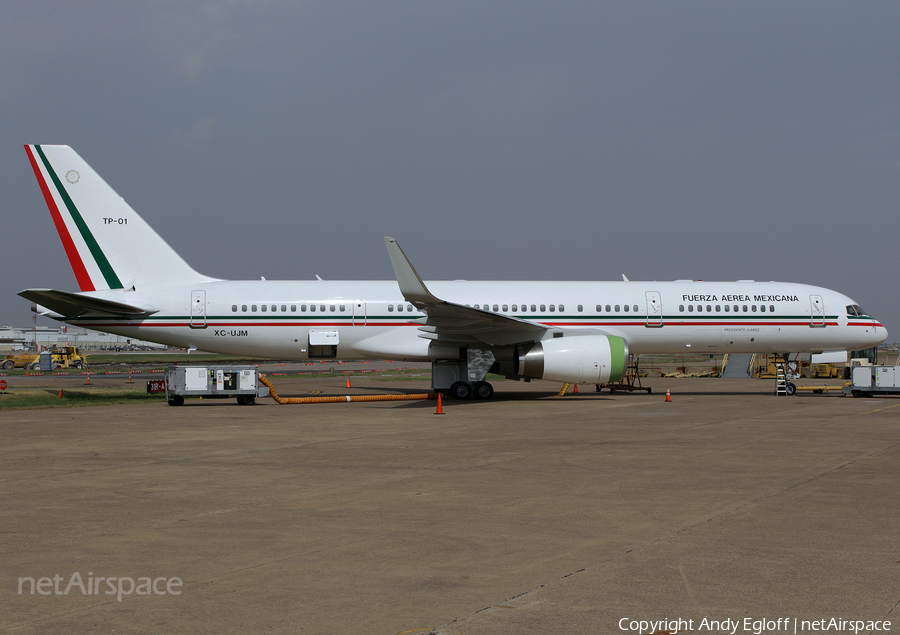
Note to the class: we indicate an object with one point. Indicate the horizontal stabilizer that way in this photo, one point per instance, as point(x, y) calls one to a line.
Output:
point(72, 305)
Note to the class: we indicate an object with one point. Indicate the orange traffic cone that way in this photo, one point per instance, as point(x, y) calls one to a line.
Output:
point(348, 382)
point(59, 396)
point(89, 379)
point(668, 395)
point(440, 409)
point(576, 388)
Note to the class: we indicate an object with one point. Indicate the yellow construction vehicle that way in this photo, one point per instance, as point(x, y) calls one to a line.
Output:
point(19, 360)
point(826, 371)
point(62, 357)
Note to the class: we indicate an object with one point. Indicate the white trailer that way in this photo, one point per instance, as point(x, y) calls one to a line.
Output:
point(866, 381)
point(213, 382)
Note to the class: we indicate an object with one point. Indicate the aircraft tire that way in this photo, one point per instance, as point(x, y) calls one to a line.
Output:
point(482, 390)
point(175, 400)
point(791, 389)
point(460, 390)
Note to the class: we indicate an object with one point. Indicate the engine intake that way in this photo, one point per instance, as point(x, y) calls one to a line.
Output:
point(590, 359)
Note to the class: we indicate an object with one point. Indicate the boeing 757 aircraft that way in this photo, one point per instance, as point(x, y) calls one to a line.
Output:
point(134, 284)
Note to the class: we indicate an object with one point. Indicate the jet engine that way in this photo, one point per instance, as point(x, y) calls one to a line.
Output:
point(589, 359)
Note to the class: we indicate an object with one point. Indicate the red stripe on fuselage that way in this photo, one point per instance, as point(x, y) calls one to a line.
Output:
point(81, 274)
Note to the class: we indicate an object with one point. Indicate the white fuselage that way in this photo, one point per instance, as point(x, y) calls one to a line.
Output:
point(370, 319)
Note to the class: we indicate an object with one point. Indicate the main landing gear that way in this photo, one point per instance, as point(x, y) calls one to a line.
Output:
point(464, 390)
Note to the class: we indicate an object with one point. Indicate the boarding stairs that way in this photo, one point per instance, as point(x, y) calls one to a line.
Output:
point(738, 366)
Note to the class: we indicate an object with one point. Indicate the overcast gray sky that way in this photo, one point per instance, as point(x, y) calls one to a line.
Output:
point(494, 140)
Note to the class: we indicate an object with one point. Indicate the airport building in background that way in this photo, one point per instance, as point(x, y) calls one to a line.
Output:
point(47, 337)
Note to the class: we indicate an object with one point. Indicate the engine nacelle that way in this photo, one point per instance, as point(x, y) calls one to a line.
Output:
point(583, 359)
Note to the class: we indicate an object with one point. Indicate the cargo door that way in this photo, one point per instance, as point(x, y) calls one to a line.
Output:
point(817, 311)
point(198, 310)
point(706, 340)
point(654, 309)
point(359, 313)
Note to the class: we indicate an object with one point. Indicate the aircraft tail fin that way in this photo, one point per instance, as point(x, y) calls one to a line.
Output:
point(109, 246)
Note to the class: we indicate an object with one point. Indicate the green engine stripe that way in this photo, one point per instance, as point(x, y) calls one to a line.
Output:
point(112, 280)
point(617, 358)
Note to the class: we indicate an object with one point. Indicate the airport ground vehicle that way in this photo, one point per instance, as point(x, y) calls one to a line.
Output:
point(63, 357)
point(212, 382)
point(866, 381)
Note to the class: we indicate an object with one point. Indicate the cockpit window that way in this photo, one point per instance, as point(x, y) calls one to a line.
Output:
point(855, 309)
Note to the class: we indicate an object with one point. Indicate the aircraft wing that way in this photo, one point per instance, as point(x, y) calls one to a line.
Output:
point(72, 305)
point(455, 324)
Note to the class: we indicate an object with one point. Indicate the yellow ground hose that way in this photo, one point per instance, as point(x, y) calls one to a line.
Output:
point(283, 400)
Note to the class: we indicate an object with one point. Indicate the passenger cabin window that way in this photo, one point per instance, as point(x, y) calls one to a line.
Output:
point(699, 308)
point(234, 308)
point(600, 308)
point(681, 308)
point(322, 308)
point(580, 308)
point(293, 308)
point(771, 308)
point(626, 308)
point(753, 308)
point(515, 308)
point(409, 308)
point(274, 308)
point(562, 307)
point(617, 308)
point(608, 308)
point(332, 308)
point(718, 308)
point(690, 308)
point(343, 308)
point(312, 308)
point(745, 308)
point(243, 308)
point(533, 308)
point(552, 308)
point(543, 308)
point(505, 309)
point(253, 308)
point(284, 308)
point(302, 308)
point(496, 308)
point(762, 308)
point(735, 308)
point(635, 308)
point(390, 308)
point(264, 308)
